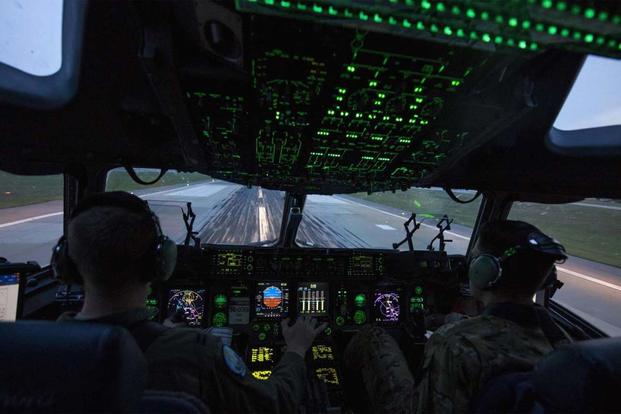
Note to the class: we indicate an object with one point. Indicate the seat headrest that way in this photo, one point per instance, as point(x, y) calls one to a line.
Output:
point(69, 367)
point(582, 376)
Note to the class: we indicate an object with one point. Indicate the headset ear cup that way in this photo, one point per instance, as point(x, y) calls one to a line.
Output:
point(63, 267)
point(483, 271)
point(166, 259)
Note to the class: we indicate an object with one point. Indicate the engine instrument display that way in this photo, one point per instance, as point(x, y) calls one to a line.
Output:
point(272, 299)
point(313, 298)
point(189, 303)
point(386, 306)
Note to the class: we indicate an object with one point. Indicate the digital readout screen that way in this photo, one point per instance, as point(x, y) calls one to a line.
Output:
point(272, 299)
point(313, 298)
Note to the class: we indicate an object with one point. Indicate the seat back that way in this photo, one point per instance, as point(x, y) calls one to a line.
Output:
point(69, 368)
point(582, 377)
point(163, 402)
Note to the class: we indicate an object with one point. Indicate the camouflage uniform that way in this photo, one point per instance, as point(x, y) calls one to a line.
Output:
point(192, 361)
point(460, 358)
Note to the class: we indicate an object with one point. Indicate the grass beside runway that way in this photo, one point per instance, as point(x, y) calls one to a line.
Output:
point(588, 232)
point(20, 190)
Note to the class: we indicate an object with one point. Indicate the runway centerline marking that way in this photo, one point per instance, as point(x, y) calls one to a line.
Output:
point(263, 224)
point(385, 227)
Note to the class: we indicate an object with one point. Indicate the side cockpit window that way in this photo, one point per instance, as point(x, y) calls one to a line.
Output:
point(31, 216)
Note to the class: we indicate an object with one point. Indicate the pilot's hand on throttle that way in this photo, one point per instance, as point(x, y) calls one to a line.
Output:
point(176, 320)
point(301, 335)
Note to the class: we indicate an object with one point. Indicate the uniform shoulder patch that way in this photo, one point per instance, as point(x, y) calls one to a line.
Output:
point(233, 361)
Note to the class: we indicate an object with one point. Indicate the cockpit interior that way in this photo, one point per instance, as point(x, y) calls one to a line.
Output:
point(286, 104)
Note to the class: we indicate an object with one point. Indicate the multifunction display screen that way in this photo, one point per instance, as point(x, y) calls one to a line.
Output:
point(187, 304)
point(313, 298)
point(272, 300)
point(9, 296)
point(386, 307)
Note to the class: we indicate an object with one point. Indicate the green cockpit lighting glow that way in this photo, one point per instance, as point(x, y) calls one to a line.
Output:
point(360, 300)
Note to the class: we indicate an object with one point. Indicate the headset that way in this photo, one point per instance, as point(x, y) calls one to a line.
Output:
point(160, 259)
point(486, 270)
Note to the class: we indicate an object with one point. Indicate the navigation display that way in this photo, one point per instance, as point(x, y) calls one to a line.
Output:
point(313, 298)
point(386, 306)
point(272, 300)
point(189, 304)
point(9, 296)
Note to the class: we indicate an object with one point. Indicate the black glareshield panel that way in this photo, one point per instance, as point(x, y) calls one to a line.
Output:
point(521, 25)
point(339, 110)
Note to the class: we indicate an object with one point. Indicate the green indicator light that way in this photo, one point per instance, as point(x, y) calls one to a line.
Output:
point(363, 16)
point(425, 5)
point(552, 30)
point(603, 16)
point(440, 7)
point(420, 26)
point(513, 22)
point(486, 37)
point(392, 21)
point(510, 42)
point(377, 18)
point(547, 4)
point(301, 6)
point(498, 39)
point(600, 40)
point(448, 31)
point(219, 319)
point(589, 13)
point(332, 11)
point(499, 19)
point(351, 68)
point(360, 317)
point(340, 321)
point(577, 35)
point(267, 327)
point(347, 13)
point(588, 38)
point(455, 83)
point(616, 19)
point(455, 10)
point(575, 9)
point(561, 6)
point(534, 46)
point(539, 27)
point(471, 13)
point(269, 2)
point(330, 112)
point(418, 290)
point(285, 4)
point(317, 8)
point(406, 23)
point(461, 33)
point(612, 43)
point(565, 32)
point(522, 44)
point(360, 300)
point(485, 15)
point(262, 336)
point(434, 28)
point(342, 90)
point(381, 95)
point(220, 300)
point(373, 83)
point(526, 24)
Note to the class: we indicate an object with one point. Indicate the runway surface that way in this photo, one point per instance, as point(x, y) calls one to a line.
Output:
point(233, 214)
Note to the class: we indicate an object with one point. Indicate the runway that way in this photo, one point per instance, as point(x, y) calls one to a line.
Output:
point(233, 214)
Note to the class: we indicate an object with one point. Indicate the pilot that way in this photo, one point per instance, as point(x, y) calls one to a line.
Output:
point(115, 247)
point(511, 260)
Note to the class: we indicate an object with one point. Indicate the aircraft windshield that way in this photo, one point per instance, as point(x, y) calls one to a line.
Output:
point(226, 213)
point(376, 220)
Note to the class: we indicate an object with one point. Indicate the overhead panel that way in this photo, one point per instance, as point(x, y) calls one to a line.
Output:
point(523, 25)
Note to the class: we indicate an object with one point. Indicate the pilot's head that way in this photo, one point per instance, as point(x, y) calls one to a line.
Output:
point(115, 243)
point(511, 260)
